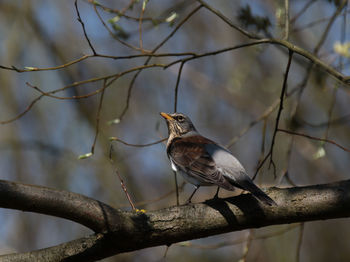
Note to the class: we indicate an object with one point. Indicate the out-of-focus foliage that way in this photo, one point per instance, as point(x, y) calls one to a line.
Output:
point(223, 95)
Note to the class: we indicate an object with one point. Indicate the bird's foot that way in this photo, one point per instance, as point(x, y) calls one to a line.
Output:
point(216, 197)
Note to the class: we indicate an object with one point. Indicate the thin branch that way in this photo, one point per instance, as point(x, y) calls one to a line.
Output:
point(195, 10)
point(286, 20)
point(129, 6)
point(289, 179)
point(300, 240)
point(296, 49)
point(31, 69)
point(344, 79)
point(157, 199)
point(177, 86)
point(311, 24)
point(247, 245)
point(270, 153)
point(333, 72)
point(97, 128)
point(285, 173)
point(114, 35)
point(125, 190)
point(92, 80)
point(140, 22)
point(260, 165)
point(228, 22)
point(84, 57)
point(336, 85)
point(291, 47)
point(137, 145)
point(29, 107)
point(314, 138)
point(263, 116)
point(329, 25)
point(283, 91)
point(302, 11)
point(122, 14)
point(237, 241)
point(83, 26)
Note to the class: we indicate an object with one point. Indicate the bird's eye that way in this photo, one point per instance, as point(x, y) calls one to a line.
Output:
point(180, 118)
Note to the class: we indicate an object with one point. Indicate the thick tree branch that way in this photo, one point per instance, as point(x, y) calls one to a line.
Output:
point(128, 231)
point(83, 210)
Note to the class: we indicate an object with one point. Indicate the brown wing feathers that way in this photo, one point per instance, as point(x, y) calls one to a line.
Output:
point(190, 155)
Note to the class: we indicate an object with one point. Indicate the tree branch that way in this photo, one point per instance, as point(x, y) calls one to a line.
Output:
point(129, 231)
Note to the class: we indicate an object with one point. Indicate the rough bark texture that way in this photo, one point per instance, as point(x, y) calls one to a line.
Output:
point(118, 231)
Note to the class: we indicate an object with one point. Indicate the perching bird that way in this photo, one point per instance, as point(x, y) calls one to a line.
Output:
point(203, 162)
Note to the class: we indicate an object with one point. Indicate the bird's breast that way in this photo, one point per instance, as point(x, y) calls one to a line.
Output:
point(173, 166)
point(188, 178)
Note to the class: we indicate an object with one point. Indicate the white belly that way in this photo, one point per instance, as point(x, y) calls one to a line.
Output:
point(189, 179)
point(173, 167)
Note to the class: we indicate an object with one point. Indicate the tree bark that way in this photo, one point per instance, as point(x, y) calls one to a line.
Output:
point(118, 231)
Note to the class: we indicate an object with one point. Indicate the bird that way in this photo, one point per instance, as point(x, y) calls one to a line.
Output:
point(202, 162)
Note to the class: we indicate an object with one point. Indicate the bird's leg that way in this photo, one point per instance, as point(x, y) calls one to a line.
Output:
point(176, 189)
point(189, 200)
point(217, 193)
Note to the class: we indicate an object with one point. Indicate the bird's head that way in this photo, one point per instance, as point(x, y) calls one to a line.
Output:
point(178, 124)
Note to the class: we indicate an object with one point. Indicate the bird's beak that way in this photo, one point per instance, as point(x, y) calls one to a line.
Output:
point(166, 116)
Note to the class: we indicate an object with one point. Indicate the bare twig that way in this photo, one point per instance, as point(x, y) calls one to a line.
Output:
point(122, 14)
point(83, 26)
point(302, 11)
point(284, 87)
point(92, 80)
point(115, 36)
point(149, 58)
point(238, 241)
point(154, 200)
point(84, 57)
point(125, 190)
point(22, 113)
point(247, 245)
point(287, 44)
point(300, 240)
point(138, 145)
point(177, 85)
point(283, 91)
point(227, 21)
point(335, 89)
point(329, 25)
point(314, 138)
point(97, 128)
point(129, 6)
point(113, 77)
point(311, 24)
point(140, 22)
point(286, 20)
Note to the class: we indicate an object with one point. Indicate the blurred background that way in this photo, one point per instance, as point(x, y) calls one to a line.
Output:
point(231, 97)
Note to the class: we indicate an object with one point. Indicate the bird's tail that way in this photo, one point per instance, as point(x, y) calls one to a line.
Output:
point(259, 194)
point(247, 184)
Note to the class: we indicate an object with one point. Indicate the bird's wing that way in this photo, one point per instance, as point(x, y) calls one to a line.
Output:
point(190, 155)
point(234, 172)
point(230, 167)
